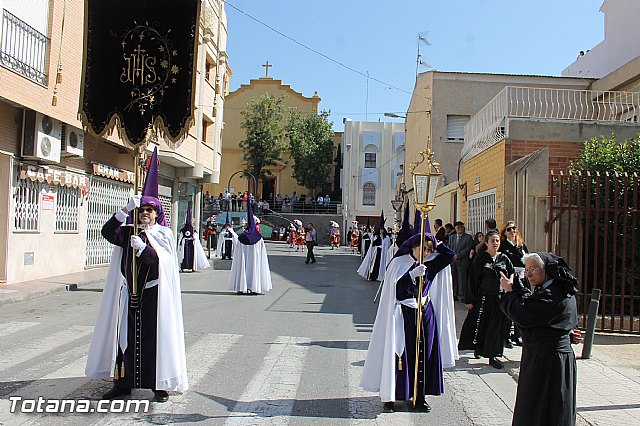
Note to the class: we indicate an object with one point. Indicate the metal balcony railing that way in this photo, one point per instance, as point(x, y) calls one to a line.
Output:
point(23, 49)
point(490, 124)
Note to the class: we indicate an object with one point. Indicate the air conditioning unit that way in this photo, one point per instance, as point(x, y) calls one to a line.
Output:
point(41, 137)
point(72, 141)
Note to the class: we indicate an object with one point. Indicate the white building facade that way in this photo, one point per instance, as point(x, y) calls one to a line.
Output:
point(373, 158)
point(621, 32)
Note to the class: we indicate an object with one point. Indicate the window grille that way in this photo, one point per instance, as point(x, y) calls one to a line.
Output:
point(480, 207)
point(26, 200)
point(369, 194)
point(67, 202)
point(166, 205)
point(370, 160)
point(105, 198)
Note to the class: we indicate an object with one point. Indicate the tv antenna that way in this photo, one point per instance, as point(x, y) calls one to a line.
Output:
point(422, 40)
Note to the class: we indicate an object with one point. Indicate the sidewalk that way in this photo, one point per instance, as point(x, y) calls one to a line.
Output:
point(37, 288)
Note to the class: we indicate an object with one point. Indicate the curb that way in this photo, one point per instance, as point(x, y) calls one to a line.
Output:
point(55, 288)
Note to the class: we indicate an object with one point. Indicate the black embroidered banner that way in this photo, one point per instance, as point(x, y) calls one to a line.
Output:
point(139, 65)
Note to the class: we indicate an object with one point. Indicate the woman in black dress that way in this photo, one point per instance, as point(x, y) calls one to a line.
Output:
point(483, 329)
point(512, 244)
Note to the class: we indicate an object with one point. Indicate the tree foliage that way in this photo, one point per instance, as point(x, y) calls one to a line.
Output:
point(608, 155)
point(265, 141)
point(311, 144)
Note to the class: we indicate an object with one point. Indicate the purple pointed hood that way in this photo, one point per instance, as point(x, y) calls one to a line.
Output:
point(150, 191)
point(405, 230)
point(250, 236)
point(405, 248)
point(188, 225)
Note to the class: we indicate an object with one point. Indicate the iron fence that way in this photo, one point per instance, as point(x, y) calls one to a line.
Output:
point(594, 225)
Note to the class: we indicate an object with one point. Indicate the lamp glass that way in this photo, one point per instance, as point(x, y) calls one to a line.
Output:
point(433, 188)
point(421, 188)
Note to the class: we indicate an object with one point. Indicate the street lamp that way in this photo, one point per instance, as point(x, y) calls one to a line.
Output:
point(394, 115)
point(425, 186)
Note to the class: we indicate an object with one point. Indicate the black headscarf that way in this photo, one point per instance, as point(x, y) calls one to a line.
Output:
point(559, 270)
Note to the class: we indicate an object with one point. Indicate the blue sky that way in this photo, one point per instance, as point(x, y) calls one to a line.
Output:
point(380, 37)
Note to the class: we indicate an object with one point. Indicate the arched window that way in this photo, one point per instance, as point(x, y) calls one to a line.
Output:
point(369, 194)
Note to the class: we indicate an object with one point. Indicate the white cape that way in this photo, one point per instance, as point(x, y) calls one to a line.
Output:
point(387, 338)
point(171, 367)
point(369, 260)
point(200, 260)
point(221, 240)
point(250, 268)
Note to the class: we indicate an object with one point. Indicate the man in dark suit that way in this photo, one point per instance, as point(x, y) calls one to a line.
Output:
point(462, 244)
point(437, 224)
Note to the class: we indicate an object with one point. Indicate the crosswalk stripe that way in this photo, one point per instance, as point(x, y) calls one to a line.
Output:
point(8, 328)
point(56, 384)
point(202, 356)
point(11, 357)
point(270, 396)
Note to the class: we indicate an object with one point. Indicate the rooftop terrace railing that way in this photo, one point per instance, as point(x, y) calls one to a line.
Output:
point(490, 124)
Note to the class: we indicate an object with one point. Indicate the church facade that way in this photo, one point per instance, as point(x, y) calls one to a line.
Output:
point(281, 180)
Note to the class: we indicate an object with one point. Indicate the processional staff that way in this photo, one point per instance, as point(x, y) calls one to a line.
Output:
point(425, 186)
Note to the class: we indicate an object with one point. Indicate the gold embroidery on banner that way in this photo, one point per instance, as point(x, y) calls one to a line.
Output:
point(143, 48)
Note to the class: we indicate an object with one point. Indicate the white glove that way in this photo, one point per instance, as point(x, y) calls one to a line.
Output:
point(133, 203)
point(137, 243)
point(417, 271)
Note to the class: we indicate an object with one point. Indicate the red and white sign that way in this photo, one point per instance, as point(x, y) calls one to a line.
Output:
point(47, 201)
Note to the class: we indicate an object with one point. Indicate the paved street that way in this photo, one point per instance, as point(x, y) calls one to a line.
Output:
point(292, 356)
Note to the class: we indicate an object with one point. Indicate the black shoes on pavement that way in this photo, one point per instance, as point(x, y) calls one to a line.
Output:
point(508, 344)
point(388, 407)
point(161, 396)
point(495, 363)
point(421, 405)
point(115, 392)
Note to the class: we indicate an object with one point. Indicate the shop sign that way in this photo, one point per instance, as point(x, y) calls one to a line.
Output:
point(55, 177)
point(113, 173)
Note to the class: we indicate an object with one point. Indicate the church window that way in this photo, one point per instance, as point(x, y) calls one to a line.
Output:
point(369, 194)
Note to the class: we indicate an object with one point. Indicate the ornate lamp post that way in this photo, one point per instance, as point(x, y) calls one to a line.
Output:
point(425, 186)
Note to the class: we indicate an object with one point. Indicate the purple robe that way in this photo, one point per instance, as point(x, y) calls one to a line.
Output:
point(430, 379)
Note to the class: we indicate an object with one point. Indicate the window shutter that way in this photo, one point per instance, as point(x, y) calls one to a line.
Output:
point(455, 127)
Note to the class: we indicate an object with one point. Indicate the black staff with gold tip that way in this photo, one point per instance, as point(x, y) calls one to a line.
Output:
point(425, 185)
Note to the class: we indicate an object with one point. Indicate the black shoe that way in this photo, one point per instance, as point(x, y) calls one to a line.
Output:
point(313, 261)
point(388, 407)
point(495, 363)
point(517, 341)
point(421, 405)
point(161, 396)
point(115, 392)
point(508, 344)
point(307, 262)
point(240, 292)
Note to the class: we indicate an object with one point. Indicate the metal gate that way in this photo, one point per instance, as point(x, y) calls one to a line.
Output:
point(594, 224)
point(106, 198)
